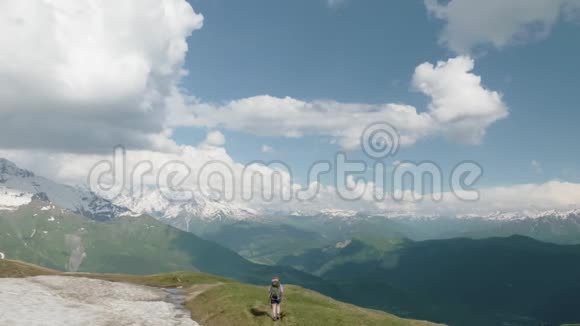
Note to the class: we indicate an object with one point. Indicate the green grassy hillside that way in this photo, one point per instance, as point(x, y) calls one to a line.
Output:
point(264, 243)
point(248, 304)
point(13, 268)
point(269, 240)
point(358, 250)
point(513, 280)
point(218, 301)
point(64, 241)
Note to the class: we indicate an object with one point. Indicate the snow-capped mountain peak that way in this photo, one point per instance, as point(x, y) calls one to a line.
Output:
point(155, 203)
point(19, 187)
point(7, 168)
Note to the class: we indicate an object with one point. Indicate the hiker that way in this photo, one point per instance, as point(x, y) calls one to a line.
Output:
point(276, 292)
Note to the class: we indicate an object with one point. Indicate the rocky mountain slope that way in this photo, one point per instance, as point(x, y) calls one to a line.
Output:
point(19, 187)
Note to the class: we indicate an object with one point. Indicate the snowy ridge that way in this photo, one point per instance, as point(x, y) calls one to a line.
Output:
point(331, 213)
point(345, 214)
point(493, 216)
point(18, 187)
point(338, 213)
point(525, 214)
point(155, 203)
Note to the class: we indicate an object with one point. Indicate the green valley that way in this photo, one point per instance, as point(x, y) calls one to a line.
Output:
point(46, 235)
point(457, 281)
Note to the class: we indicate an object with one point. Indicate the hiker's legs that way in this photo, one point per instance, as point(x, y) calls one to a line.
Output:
point(274, 311)
point(278, 310)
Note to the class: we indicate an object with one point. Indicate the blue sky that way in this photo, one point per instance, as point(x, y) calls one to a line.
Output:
point(365, 52)
point(495, 82)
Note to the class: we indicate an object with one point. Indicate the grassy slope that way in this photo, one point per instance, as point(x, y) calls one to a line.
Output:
point(460, 281)
point(319, 261)
point(248, 305)
point(130, 245)
point(264, 243)
point(217, 301)
point(12, 268)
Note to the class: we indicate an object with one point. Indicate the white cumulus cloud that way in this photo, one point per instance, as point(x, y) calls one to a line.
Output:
point(82, 75)
point(215, 138)
point(461, 108)
point(471, 23)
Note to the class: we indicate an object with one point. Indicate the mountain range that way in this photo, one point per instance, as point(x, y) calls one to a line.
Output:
point(72, 229)
point(19, 186)
point(495, 269)
point(267, 237)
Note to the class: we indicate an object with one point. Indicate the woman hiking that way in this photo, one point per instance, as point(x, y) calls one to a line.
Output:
point(276, 292)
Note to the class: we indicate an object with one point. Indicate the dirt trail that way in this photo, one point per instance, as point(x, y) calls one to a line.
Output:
point(195, 290)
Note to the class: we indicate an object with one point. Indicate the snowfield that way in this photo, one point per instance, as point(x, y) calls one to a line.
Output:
point(12, 199)
point(68, 301)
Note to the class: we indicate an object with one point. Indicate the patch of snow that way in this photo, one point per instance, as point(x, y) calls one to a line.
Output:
point(46, 208)
point(64, 300)
point(2, 256)
point(343, 244)
point(51, 219)
point(11, 199)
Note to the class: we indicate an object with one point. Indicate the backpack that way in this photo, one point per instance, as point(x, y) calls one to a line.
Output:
point(275, 292)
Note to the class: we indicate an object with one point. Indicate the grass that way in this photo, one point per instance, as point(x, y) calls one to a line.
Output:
point(248, 305)
point(131, 245)
point(218, 301)
point(12, 268)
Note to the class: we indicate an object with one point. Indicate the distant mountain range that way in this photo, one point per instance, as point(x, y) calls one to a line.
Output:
point(73, 229)
point(267, 237)
point(153, 202)
point(18, 186)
